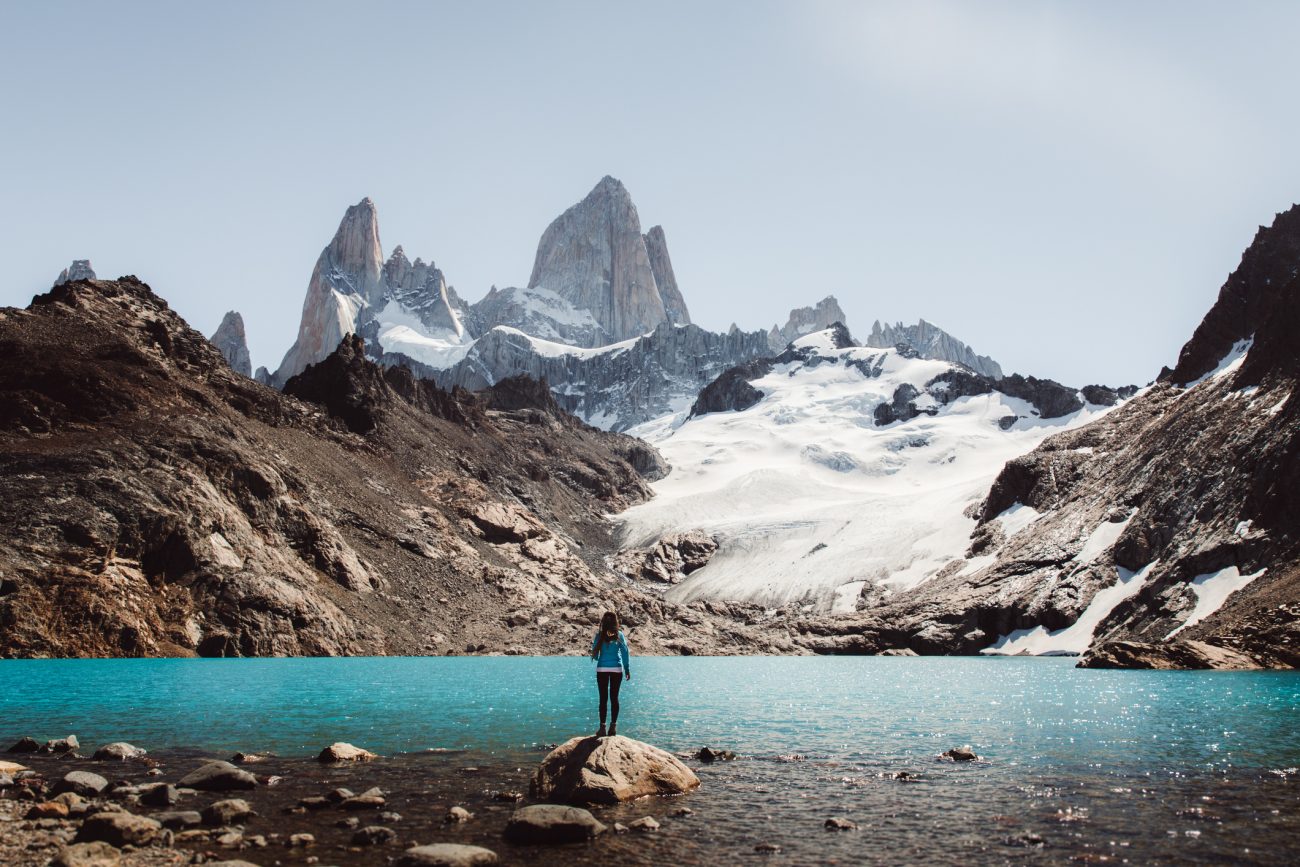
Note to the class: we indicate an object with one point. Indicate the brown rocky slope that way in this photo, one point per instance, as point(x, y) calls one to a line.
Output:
point(157, 503)
point(1197, 474)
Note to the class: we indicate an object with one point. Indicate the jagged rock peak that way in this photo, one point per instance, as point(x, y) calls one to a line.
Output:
point(79, 270)
point(806, 320)
point(662, 267)
point(931, 341)
point(1260, 301)
point(595, 258)
point(230, 339)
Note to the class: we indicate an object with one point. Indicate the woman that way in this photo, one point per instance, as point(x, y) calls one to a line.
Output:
point(609, 649)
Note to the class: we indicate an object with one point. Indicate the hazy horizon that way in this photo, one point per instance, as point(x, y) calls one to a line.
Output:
point(1063, 187)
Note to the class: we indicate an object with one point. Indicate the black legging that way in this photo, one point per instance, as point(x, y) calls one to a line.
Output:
point(608, 683)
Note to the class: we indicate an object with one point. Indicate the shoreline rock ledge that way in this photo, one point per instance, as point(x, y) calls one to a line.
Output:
point(589, 770)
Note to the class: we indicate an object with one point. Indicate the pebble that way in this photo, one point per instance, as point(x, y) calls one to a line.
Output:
point(348, 824)
point(683, 811)
point(459, 814)
point(508, 796)
point(228, 812)
point(374, 835)
point(767, 848)
point(644, 825)
point(298, 840)
point(836, 823)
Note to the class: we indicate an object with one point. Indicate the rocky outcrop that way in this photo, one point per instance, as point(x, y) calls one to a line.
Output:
point(732, 392)
point(79, 270)
point(421, 289)
point(661, 265)
point(930, 341)
point(609, 771)
point(204, 514)
point(538, 312)
point(1166, 655)
point(229, 338)
point(594, 256)
point(806, 320)
point(668, 561)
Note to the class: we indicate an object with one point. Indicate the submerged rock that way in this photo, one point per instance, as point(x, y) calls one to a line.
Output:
point(838, 823)
point(708, 755)
point(446, 855)
point(645, 825)
point(118, 752)
point(552, 823)
point(961, 754)
point(608, 771)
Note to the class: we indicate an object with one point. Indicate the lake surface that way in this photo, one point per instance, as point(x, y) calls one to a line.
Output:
point(1148, 767)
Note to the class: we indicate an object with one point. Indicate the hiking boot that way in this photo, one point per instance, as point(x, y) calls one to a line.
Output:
point(600, 732)
point(612, 727)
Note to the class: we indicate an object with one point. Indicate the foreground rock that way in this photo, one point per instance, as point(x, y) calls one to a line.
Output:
point(609, 771)
point(341, 752)
point(229, 812)
point(446, 855)
point(1167, 656)
point(119, 829)
point(551, 823)
point(98, 854)
point(118, 752)
point(82, 783)
point(219, 777)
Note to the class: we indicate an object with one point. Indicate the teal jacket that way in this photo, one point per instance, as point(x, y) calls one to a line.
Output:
point(612, 655)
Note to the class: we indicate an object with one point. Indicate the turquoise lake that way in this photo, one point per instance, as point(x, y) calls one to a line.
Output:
point(1160, 767)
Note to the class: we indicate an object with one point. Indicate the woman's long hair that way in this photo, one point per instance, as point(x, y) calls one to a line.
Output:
point(608, 632)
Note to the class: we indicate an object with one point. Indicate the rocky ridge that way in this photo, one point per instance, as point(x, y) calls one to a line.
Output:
point(806, 320)
point(79, 270)
point(207, 514)
point(930, 341)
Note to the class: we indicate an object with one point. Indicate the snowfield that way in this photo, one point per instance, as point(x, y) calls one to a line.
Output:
point(811, 501)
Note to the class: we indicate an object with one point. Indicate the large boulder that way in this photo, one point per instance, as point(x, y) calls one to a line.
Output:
point(608, 771)
point(119, 829)
point(446, 855)
point(82, 783)
point(98, 854)
point(551, 823)
point(218, 777)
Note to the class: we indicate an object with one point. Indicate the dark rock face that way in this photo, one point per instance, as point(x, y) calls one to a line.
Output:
point(1050, 398)
point(1258, 299)
point(1168, 655)
point(670, 560)
point(731, 392)
point(202, 513)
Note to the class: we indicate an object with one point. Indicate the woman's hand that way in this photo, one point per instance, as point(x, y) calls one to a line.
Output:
point(627, 675)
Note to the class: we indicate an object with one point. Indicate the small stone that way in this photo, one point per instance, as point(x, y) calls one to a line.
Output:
point(228, 812)
point(962, 754)
point(341, 752)
point(96, 854)
point(508, 796)
point(552, 823)
point(6, 781)
point(363, 802)
point(154, 772)
point(339, 795)
point(117, 752)
point(644, 825)
point(314, 803)
point(390, 818)
point(25, 745)
point(161, 795)
point(709, 755)
point(230, 839)
point(683, 811)
point(119, 829)
point(246, 759)
point(301, 840)
point(82, 782)
point(47, 810)
point(837, 823)
point(218, 777)
point(257, 841)
point(620, 828)
point(178, 820)
point(60, 746)
point(373, 835)
point(905, 777)
point(71, 799)
point(767, 848)
point(459, 814)
point(349, 824)
point(446, 855)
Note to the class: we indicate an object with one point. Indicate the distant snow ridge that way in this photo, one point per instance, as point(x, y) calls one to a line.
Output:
point(815, 496)
point(930, 341)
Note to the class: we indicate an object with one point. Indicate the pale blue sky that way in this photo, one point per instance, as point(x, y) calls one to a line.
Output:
point(1064, 186)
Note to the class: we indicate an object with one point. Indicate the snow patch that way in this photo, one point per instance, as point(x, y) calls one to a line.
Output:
point(1229, 363)
point(1212, 590)
point(1017, 517)
point(1075, 638)
point(1106, 534)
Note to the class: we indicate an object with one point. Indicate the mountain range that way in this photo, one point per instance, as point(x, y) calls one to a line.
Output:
point(782, 490)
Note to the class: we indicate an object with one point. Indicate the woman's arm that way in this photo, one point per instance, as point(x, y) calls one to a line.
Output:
point(622, 651)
